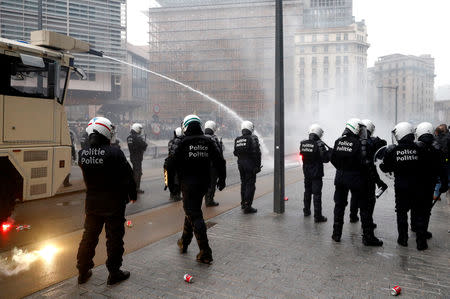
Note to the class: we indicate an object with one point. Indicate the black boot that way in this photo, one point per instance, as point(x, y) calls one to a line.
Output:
point(204, 257)
point(306, 213)
point(421, 244)
point(428, 235)
point(205, 254)
point(354, 219)
point(371, 240)
point(337, 232)
point(212, 204)
point(115, 277)
point(320, 218)
point(250, 210)
point(84, 277)
point(183, 247)
point(403, 240)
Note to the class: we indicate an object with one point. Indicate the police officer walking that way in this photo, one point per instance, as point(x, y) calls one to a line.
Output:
point(314, 153)
point(374, 143)
point(173, 182)
point(246, 148)
point(137, 147)
point(406, 160)
point(110, 186)
point(192, 160)
point(434, 169)
point(352, 174)
point(210, 128)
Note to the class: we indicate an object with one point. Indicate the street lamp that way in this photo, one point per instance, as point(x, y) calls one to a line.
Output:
point(317, 92)
point(396, 99)
point(278, 180)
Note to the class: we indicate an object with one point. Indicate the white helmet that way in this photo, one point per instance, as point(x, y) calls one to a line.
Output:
point(353, 124)
point(190, 119)
point(210, 125)
point(89, 126)
point(402, 129)
point(137, 128)
point(424, 128)
point(369, 125)
point(247, 125)
point(102, 126)
point(316, 129)
point(178, 132)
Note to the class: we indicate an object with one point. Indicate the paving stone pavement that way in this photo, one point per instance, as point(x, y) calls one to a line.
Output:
point(283, 256)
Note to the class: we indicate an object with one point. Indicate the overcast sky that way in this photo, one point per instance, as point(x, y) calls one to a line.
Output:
point(394, 26)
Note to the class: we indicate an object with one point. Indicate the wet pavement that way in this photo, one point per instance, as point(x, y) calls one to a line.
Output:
point(266, 255)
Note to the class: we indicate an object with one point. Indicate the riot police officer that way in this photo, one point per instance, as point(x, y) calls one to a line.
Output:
point(173, 182)
point(192, 160)
point(210, 128)
point(434, 168)
point(314, 153)
point(406, 161)
point(352, 174)
point(374, 143)
point(137, 147)
point(110, 186)
point(246, 148)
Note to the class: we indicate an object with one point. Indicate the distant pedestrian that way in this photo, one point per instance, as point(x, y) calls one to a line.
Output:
point(110, 186)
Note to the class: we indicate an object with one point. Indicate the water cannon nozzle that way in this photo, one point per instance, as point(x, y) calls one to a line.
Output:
point(95, 52)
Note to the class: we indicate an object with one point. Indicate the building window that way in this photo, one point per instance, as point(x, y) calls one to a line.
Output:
point(325, 71)
point(314, 38)
point(325, 60)
point(345, 36)
point(314, 72)
point(314, 49)
point(302, 72)
point(302, 38)
point(302, 61)
point(314, 61)
point(338, 60)
point(302, 50)
point(325, 49)
point(326, 37)
point(345, 59)
point(338, 48)
point(338, 36)
point(345, 48)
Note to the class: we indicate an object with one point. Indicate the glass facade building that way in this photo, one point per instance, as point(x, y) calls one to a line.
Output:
point(100, 23)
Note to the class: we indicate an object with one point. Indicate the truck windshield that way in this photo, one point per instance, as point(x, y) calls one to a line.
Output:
point(18, 79)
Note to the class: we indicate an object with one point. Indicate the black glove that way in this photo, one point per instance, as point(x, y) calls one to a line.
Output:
point(221, 184)
point(257, 169)
point(443, 189)
point(381, 184)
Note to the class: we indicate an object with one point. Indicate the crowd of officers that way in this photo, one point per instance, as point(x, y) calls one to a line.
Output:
point(196, 166)
point(418, 160)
